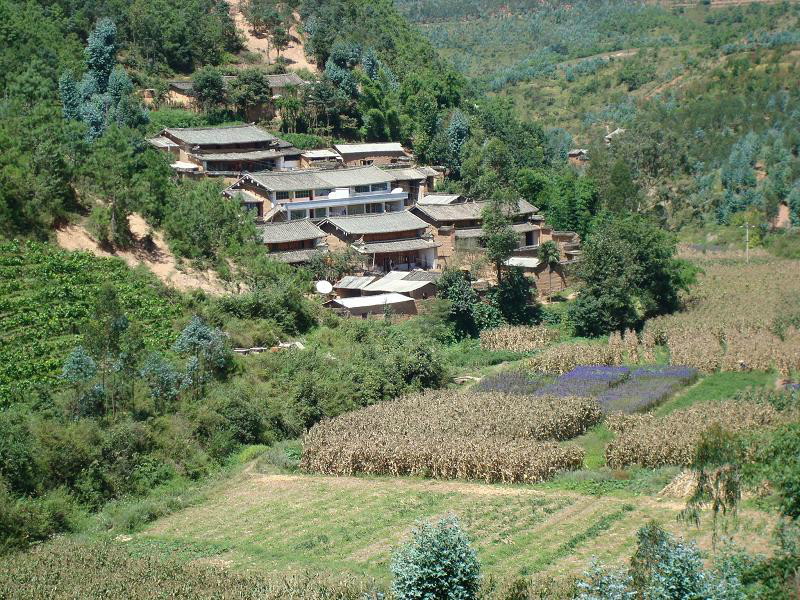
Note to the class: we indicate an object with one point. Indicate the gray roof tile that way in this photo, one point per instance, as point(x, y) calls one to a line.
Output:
point(467, 211)
point(234, 134)
point(395, 246)
point(380, 223)
point(290, 231)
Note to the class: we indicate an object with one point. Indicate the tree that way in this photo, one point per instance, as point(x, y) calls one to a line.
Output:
point(250, 90)
point(101, 52)
point(515, 298)
point(498, 236)
point(630, 273)
point(457, 134)
point(549, 255)
point(209, 88)
point(78, 370)
point(208, 352)
point(280, 39)
point(437, 563)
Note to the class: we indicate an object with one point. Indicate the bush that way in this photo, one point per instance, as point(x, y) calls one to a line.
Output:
point(436, 564)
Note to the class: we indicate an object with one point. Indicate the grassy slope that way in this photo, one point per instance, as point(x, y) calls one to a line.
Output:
point(485, 46)
point(292, 523)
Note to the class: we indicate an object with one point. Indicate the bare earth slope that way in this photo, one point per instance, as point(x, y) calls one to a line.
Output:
point(157, 257)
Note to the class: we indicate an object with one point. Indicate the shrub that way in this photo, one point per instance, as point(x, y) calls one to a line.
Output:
point(436, 564)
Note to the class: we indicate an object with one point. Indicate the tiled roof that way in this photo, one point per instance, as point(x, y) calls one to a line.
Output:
point(394, 246)
point(320, 153)
point(469, 233)
point(466, 211)
point(290, 231)
point(245, 156)
point(429, 171)
point(308, 179)
point(376, 148)
point(285, 79)
point(389, 222)
point(234, 134)
point(441, 199)
point(405, 174)
point(525, 227)
point(294, 256)
point(420, 275)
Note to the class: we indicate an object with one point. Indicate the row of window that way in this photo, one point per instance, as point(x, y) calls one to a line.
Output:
point(321, 193)
point(341, 211)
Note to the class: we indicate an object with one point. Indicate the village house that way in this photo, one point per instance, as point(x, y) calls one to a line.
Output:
point(578, 156)
point(321, 193)
point(387, 242)
point(376, 153)
point(225, 151)
point(378, 305)
point(457, 226)
point(180, 93)
point(417, 284)
point(293, 242)
point(323, 158)
point(442, 199)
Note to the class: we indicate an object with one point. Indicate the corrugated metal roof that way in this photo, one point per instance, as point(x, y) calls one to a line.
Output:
point(376, 148)
point(234, 134)
point(395, 246)
point(523, 261)
point(307, 179)
point(290, 231)
point(294, 256)
point(466, 211)
point(320, 154)
point(399, 286)
point(364, 301)
point(389, 222)
point(354, 282)
point(441, 199)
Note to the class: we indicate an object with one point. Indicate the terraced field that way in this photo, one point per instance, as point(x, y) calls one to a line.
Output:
point(291, 523)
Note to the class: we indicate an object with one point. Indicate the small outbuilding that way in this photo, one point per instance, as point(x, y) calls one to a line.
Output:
point(365, 306)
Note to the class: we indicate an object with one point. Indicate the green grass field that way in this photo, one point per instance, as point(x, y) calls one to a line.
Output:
point(291, 523)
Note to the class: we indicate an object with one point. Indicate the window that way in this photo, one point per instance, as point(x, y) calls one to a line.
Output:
point(356, 209)
point(322, 192)
point(297, 214)
point(360, 189)
point(374, 208)
point(302, 194)
point(367, 162)
point(380, 187)
point(281, 195)
point(319, 213)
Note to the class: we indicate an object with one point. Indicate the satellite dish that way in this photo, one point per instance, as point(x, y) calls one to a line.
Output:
point(324, 287)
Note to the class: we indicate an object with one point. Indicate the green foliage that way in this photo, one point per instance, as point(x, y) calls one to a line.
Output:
point(630, 274)
point(779, 461)
point(249, 90)
point(437, 563)
point(203, 224)
point(38, 334)
point(209, 88)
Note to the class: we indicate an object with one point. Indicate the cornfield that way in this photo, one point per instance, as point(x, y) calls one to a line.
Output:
point(518, 339)
point(647, 440)
point(564, 358)
point(740, 317)
point(454, 435)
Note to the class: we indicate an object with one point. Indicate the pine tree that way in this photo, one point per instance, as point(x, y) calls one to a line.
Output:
point(70, 97)
point(101, 52)
point(457, 134)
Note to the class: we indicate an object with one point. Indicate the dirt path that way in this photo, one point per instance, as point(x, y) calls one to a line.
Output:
point(295, 53)
point(156, 257)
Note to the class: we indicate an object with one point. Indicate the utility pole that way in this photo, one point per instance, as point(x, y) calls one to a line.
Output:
point(746, 227)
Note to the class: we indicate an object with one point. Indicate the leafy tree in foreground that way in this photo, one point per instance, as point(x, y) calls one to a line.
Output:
point(436, 564)
point(209, 88)
point(549, 255)
point(498, 236)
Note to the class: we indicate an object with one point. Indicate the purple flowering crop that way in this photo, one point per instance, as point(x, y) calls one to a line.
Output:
point(585, 381)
